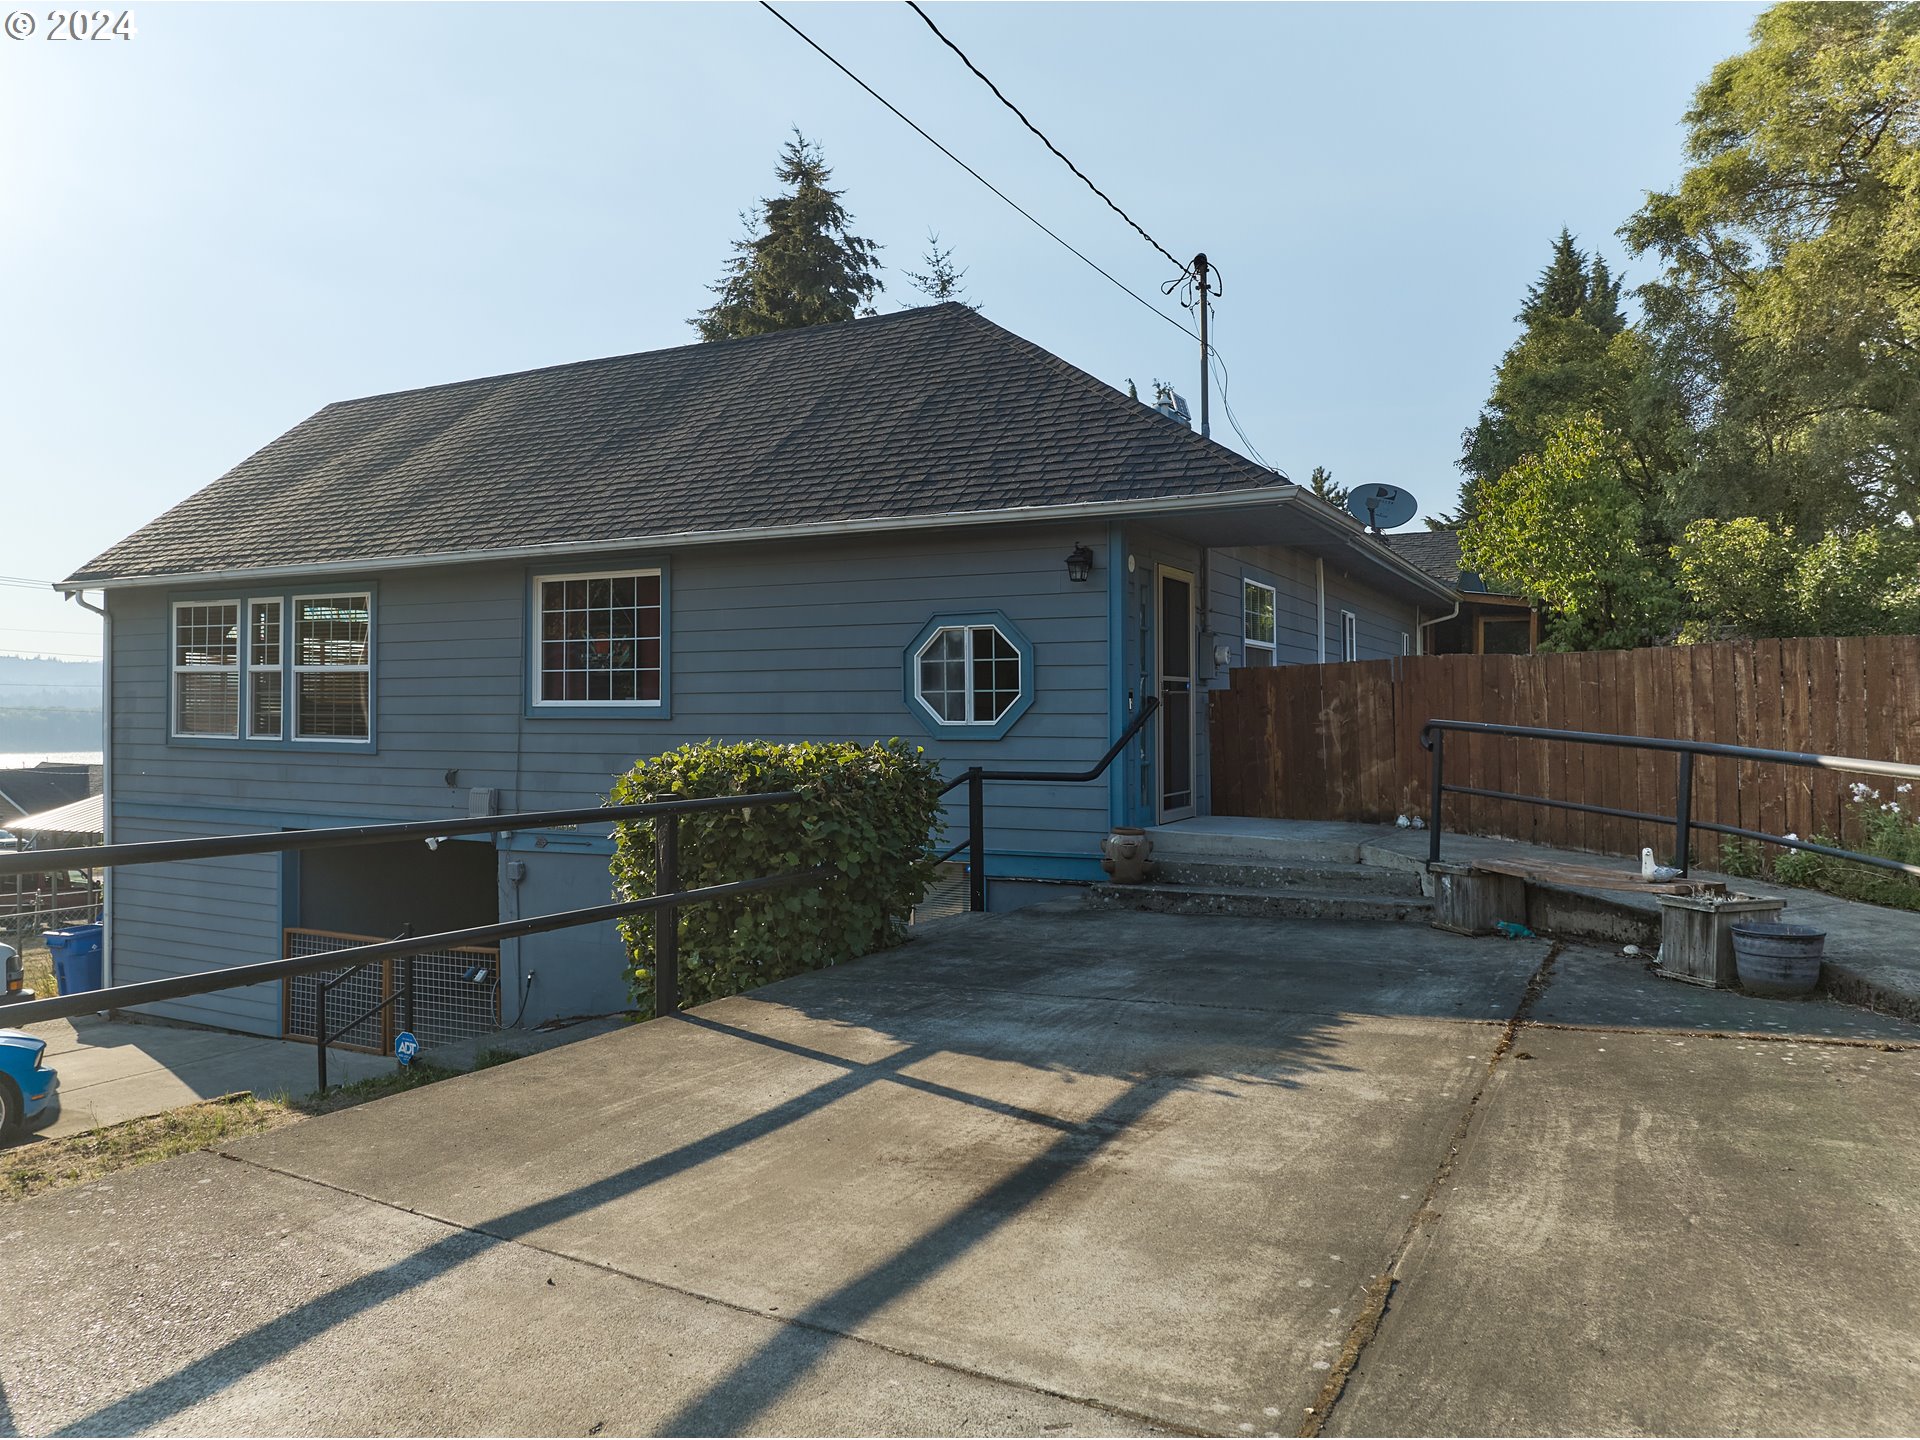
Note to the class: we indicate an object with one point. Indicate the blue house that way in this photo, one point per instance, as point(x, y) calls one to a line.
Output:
point(494, 595)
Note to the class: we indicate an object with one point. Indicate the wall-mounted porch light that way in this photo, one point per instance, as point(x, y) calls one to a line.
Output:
point(1079, 564)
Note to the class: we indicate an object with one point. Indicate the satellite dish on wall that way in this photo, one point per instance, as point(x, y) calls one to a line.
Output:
point(1381, 507)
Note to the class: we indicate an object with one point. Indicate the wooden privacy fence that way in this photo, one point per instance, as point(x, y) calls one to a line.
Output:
point(1342, 742)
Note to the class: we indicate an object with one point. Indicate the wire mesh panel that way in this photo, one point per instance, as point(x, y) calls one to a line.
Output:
point(456, 993)
point(344, 1000)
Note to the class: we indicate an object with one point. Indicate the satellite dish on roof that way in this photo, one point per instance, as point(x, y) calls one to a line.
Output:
point(1381, 507)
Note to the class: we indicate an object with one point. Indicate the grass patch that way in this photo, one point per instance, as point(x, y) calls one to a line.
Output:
point(55, 1164)
point(37, 960)
point(43, 1165)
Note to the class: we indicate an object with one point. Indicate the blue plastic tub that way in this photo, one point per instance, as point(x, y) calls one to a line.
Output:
point(76, 958)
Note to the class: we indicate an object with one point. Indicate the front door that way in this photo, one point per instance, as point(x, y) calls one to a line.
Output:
point(1175, 626)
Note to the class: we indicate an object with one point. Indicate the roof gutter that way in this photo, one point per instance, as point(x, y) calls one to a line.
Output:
point(951, 520)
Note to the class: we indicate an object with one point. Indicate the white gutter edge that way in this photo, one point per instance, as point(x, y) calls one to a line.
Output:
point(1097, 509)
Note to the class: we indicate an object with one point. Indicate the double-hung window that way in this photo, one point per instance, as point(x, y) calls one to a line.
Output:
point(206, 669)
point(274, 668)
point(599, 639)
point(266, 677)
point(1257, 611)
point(332, 671)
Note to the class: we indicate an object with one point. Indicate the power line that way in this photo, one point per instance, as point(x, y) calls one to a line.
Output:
point(1172, 259)
point(1117, 284)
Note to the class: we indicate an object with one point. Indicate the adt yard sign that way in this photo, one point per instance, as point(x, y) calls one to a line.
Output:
point(405, 1047)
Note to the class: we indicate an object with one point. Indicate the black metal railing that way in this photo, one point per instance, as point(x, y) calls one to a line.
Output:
point(403, 996)
point(667, 899)
point(1433, 738)
point(976, 780)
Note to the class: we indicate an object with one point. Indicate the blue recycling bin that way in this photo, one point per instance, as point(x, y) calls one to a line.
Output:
point(76, 958)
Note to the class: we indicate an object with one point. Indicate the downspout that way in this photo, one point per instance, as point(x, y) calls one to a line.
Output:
point(106, 777)
point(1437, 620)
point(1320, 590)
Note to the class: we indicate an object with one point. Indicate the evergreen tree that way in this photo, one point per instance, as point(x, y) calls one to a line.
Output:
point(1561, 290)
point(1321, 483)
point(804, 267)
point(940, 282)
point(1577, 356)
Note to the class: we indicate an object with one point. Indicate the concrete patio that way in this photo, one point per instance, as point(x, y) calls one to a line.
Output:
point(1050, 1172)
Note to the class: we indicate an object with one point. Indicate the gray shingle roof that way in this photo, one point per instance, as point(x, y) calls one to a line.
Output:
point(1435, 551)
point(927, 412)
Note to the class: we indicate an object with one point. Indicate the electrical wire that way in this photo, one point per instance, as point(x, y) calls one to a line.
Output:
point(1117, 284)
point(1171, 257)
point(25, 583)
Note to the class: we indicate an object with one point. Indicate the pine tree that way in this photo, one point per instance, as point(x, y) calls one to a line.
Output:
point(941, 280)
point(1321, 483)
point(1561, 289)
point(803, 268)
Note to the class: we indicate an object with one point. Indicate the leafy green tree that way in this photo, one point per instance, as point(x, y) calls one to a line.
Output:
point(1745, 578)
point(941, 281)
point(803, 266)
point(1321, 483)
point(1565, 527)
point(1738, 576)
point(1788, 312)
point(1576, 356)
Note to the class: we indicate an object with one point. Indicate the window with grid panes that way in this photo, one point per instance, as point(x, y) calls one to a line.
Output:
point(332, 671)
point(599, 639)
point(967, 674)
point(206, 668)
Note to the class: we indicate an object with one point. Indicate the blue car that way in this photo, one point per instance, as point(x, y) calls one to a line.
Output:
point(29, 1091)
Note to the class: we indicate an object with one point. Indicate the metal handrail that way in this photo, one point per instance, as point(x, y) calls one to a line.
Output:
point(975, 779)
point(667, 899)
point(1433, 739)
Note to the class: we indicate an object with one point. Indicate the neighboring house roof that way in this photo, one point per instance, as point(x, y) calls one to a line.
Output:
point(1438, 553)
point(923, 414)
point(23, 792)
point(81, 818)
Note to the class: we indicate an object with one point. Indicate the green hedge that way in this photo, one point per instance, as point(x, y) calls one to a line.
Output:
point(867, 810)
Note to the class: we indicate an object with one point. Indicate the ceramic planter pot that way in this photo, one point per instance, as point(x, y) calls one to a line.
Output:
point(1127, 855)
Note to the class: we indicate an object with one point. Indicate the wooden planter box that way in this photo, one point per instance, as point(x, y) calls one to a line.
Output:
point(1468, 901)
point(1696, 935)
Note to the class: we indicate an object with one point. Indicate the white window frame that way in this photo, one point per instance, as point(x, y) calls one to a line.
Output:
point(536, 624)
point(968, 629)
point(1248, 644)
point(1406, 642)
point(290, 692)
point(1349, 635)
point(249, 669)
point(175, 669)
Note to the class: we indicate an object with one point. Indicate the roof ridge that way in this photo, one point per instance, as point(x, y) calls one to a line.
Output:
point(705, 346)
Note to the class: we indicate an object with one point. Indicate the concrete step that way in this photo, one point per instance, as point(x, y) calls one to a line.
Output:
point(1280, 875)
point(1254, 903)
point(1181, 842)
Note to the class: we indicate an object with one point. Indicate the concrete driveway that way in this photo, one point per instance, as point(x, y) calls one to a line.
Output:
point(1054, 1172)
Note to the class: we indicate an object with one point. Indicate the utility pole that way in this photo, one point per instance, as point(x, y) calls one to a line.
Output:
point(1200, 277)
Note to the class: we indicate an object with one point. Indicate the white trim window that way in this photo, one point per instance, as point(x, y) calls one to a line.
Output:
point(1349, 635)
point(1258, 608)
point(1406, 642)
point(332, 666)
point(600, 638)
point(206, 669)
point(266, 672)
point(967, 674)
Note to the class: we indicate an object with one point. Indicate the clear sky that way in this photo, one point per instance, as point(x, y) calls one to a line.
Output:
point(209, 231)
